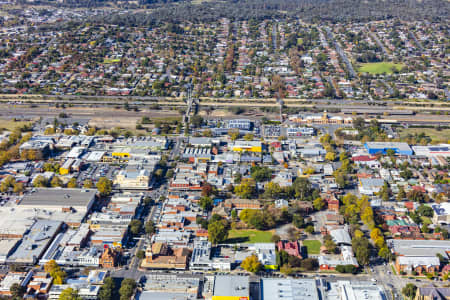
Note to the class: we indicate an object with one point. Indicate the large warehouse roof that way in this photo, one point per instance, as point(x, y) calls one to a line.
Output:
point(51, 197)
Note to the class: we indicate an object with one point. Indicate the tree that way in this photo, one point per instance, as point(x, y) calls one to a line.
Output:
point(206, 203)
point(260, 174)
point(401, 194)
point(69, 294)
point(310, 264)
point(409, 290)
point(275, 238)
point(425, 228)
point(384, 253)
point(318, 203)
point(330, 156)
point(197, 121)
point(217, 232)
point(302, 188)
point(251, 264)
point(298, 221)
point(18, 187)
point(330, 245)
point(104, 186)
point(140, 254)
point(248, 137)
point(272, 190)
point(350, 269)
point(375, 233)
point(72, 184)
point(358, 233)
point(425, 211)
point(361, 249)
point(245, 189)
point(107, 289)
point(17, 291)
point(127, 288)
point(55, 272)
point(257, 220)
point(208, 190)
point(309, 229)
point(40, 181)
point(56, 182)
point(148, 201)
point(234, 134)
point(385, 192)
point(150, 227)
point(135, 226)
point(88, 184)
point(415, 218)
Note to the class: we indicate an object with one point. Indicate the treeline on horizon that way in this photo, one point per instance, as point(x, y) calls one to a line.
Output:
point(163, 11)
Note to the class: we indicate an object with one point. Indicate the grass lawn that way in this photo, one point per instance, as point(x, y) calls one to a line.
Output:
point(442, 135)
point(249, 236)
point(426, 220)
point(111, 60)
point(313, 246)
point(10, 124)
point(379, 67)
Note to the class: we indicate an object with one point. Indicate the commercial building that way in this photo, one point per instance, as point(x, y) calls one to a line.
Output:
point(288, 289)
point(433, 293)
point(11, 278)
point(247, 146)
point(39, 149)
point(35, 242)
point(227, 287)
point(196, 155)
point(243, 124)
point(160, 256)
point(66, 167)
point(420, 248)
point(266, 254)
point(85, 291)
point(138, 179)
point(355, 290)
point(383, 147)
point(419, 264)
point(441, 213)
point(300, 131)
point(436, 150)
point(63, 204)
point(320, 119)
point(169, 287)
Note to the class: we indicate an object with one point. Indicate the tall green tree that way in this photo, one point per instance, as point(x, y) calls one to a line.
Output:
point(104, 186)
point(127, 288)
point(107, 289)
point(217, 232)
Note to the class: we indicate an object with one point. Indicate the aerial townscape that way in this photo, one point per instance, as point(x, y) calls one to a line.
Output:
point(224, 149)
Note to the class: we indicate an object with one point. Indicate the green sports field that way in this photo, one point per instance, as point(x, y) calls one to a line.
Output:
point(379, 67)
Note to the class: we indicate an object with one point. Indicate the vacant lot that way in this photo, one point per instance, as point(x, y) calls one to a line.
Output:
point(10, 124)
point(379, 68)
point(312, 246)
point(249, 236)
point(442, 135)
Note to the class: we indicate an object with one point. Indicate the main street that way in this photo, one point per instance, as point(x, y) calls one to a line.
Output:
point(132, 270)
